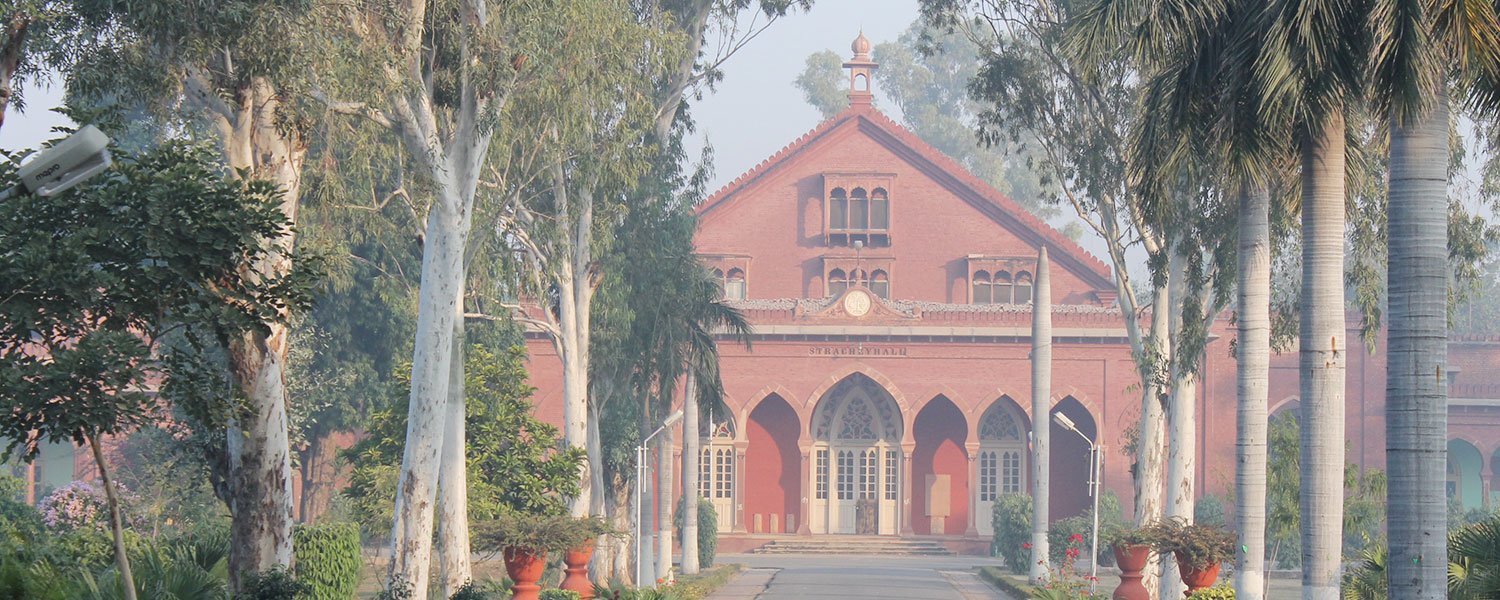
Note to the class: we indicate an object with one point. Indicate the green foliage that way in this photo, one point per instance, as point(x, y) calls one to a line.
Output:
point(1473, 566)
point(1063, 581)
point(1367, 580)
point(1209, 511)
point(101, 272)
point(538, 533)
point(514, 463)
point(489, 590)
point(697, 587)
point(328, 559)
point(189, 568)
point(276, 583)
point(616, 590)
point(1222, 591)
point(559, 595)
point(1011, 520)
point(1364, 498)
point(708, 530)
point(1201, 546)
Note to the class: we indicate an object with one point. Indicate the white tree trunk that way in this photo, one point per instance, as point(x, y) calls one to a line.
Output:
point(1253, 349)
point(1180, 419)
point(576, 292)
point(260, 457)
point(1150, 450)
point(1416, 385)
point(441, 288)
point(664, 498)
point(116, 523)
point(453, 477)
point(1041, 416)
point(690, 483)
point(1323, 346)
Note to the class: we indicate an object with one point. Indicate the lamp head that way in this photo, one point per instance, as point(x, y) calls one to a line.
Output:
point(859, 244)
point(672, 418)
point(1063, 420)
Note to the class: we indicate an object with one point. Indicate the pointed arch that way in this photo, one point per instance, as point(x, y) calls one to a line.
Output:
point(811, 401)
point(1069, 456)
point(940, 469)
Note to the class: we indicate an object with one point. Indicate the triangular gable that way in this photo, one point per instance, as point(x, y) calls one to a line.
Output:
point(936, 165)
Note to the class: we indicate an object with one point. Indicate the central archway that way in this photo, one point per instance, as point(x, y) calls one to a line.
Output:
point(940, 465)
point(856, 433)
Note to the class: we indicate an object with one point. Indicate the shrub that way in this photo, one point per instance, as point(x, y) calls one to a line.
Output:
point(544, 533)
point(708, 530)
point(328, 559)
point(559, 595)
point(1012, 522)
point(1209, 511)
point(1222, 591)
point(275, 583)
point(481, 591)
point(1197, 545)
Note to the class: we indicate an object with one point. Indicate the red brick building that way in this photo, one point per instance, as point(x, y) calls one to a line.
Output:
point(890, 293)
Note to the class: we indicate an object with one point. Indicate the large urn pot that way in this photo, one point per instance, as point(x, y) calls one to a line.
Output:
point(1132, 561)
point(576, 563)
point(525, 567)
point(1197, 578)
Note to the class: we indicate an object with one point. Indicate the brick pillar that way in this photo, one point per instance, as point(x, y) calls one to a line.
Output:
point(739, 487)
point(807, 487)
point(906, 487)
point(973, 451)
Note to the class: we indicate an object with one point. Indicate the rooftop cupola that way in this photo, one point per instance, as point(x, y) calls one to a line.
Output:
point(861, 70)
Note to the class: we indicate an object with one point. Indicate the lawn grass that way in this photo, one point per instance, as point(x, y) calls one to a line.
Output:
point(697, 587)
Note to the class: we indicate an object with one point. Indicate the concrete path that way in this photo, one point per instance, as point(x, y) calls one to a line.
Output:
point(857, 578)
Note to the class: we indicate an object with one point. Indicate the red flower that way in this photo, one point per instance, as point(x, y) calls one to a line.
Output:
point(1077, 537)
point(1072, 553)
point(1026, 546)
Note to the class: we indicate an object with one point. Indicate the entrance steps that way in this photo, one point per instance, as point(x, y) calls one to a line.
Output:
point(850, 544)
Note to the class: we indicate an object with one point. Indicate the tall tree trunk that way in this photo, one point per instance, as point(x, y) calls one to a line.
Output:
point(259, 450)
point(438, 300)
point(319, 475)
point(10, 59)
point(664, 506)
point(575, 286)
point(1150, 452)
point(1041, 415)
point(1253, 348)
point(1322, 350)
point(1416, 386)
point(690, 482)
point(453, 475)
point(1180, 416)
point(116, 523)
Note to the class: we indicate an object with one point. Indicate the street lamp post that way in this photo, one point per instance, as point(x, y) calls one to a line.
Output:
point(1068, 424)
point(640, 483)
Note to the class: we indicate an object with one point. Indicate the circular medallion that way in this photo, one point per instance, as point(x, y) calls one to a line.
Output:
point(857, 303)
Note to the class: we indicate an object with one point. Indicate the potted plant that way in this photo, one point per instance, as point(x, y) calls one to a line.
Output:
point(1200, 549)
point(524, 540)
point(1132, 548)
point(576, 557)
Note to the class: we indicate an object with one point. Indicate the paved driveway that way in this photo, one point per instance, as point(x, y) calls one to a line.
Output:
point(857, 577)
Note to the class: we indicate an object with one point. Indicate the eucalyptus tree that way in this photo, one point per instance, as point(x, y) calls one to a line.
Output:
point(113, 285)
point(234, 68)
point(1075, 116)
point(1419, 47)
point(35, 35)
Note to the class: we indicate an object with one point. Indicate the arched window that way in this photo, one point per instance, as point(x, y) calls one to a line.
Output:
point(1023, 287)
point(734, 285)
point(880, 210)
point(1002, 288)
point(838, 210)
point(719, 281)
point(880, 283)
point(838, 282)
point(859, 210)
point(982, 287)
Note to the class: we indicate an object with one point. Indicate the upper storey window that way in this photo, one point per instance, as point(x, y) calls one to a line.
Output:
point(857, 207)
point(729, 273)
point(994, 280)
point(877, 280)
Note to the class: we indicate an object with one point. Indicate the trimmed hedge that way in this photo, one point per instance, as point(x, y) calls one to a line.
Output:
point(708, 530)
point(1012, 523)
point(328, 559)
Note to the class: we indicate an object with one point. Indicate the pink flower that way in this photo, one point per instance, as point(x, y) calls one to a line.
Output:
point(1026, 546)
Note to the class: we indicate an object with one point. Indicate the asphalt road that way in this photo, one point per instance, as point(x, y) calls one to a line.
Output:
point(857, 577)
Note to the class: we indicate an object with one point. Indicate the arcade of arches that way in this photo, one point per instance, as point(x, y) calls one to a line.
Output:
point(856, 466)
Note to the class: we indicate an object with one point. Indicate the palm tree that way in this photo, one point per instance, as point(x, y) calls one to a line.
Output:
point(705, 315)
point(1415, 47)
point(1041, 414)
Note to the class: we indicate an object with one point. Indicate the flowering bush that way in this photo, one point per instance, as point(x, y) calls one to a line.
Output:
point(80, 504)
point(1064, 582)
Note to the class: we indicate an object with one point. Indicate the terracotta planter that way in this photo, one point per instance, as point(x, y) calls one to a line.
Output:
point(1197, 579)
point(1132, 560)
point(525, 567)
point(577, 561)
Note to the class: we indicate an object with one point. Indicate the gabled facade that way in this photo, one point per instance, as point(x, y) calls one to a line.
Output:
point(888, 390)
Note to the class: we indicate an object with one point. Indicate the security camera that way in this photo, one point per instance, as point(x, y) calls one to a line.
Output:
point(64, 165)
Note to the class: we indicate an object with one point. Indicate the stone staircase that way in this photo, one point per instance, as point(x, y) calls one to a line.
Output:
point(850, 544)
